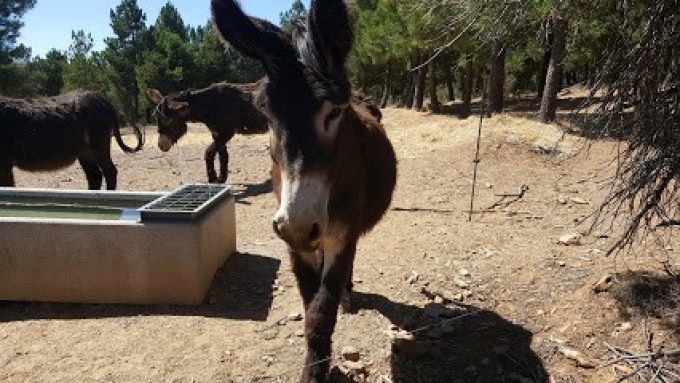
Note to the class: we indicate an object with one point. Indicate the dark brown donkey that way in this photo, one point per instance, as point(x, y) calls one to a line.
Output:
point(226, 109)
point(334, 168)
point(47, 134)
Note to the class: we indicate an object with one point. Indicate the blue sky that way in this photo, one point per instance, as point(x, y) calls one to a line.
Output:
point(50, 23)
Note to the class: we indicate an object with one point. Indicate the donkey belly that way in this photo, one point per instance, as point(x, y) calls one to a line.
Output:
point(48, 150)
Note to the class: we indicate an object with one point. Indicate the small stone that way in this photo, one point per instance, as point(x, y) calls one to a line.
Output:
point(300, 333)
point(562, 263)
point(462, 284)
point(598, 252)
point(354, 367)
point(405, 344)
point(467, 294)
point(350, 353)
point(570, 240)
point(604, 284)
point(413, 278)
point(579, 201)
point(562, 200)
point(294, 317)
point(464, 272)
point(489, 185)
point(626, 326)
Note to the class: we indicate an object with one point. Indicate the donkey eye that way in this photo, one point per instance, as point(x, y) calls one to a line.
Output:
point(332, 116)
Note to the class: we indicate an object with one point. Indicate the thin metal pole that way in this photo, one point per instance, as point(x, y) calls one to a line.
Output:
point(482, 111)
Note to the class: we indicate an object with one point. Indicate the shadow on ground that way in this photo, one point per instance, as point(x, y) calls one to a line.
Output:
point(241, 290)
point(252, 190)
point(649, 295)
point(473, 345)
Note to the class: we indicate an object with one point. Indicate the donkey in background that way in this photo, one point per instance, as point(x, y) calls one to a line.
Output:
point(226, 109)
point(334, 169)
point(48, 134)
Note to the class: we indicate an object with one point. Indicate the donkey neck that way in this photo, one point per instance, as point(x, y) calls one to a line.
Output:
point(202, 104)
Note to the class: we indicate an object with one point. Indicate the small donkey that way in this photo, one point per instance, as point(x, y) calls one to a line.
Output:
point(334, 169)
point(226, 109)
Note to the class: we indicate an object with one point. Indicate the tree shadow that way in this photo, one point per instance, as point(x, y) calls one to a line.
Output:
point(458, 344)
point(241, 290)
point(253, 190)
point(649, 295)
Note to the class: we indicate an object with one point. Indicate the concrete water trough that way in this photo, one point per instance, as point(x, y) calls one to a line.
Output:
point(114, 247)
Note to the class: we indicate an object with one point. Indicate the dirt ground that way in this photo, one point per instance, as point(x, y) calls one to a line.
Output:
point(520, 300)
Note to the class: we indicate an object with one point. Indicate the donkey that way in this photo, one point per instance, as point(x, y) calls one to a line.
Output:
point(334, 169)
point(48, 134)
point(226, 109)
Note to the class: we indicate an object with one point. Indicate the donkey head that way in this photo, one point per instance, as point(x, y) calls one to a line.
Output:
point(171, 115)
point(306, 100)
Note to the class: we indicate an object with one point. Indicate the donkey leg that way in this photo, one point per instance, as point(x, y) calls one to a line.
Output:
point(210, 154)
point(224, 164)
point(307, 273)
point(6, 175)
point(322, 312)
point(92, 173)
point(346, 301)
point(110, 173)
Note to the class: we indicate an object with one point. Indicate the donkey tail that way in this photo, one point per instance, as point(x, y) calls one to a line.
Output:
point(119, 139)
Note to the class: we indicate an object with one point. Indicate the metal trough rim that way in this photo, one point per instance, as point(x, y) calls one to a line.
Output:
point(149, 213)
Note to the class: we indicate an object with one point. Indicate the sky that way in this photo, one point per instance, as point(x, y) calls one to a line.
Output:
point(50, 23)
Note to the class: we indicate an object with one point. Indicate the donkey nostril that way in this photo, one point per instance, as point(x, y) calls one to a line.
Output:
point(315, 233)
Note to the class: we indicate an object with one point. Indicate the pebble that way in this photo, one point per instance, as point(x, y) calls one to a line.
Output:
point(295, 317)
point(604, 283)
point(300, 333)
point(355, 368)
point(464, 272)
point(570, 240)
point(351, 354)
point(579, 201)
point(562, 200)
point(562, 263)
point(462, 284)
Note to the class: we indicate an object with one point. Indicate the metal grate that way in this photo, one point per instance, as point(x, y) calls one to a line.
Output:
point(187, 203)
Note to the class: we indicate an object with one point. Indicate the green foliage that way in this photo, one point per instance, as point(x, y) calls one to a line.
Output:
point(288, 18)
point(169, 20)
point(51, 72)
point(123, 54)
point(84, 70)
point(11, 12)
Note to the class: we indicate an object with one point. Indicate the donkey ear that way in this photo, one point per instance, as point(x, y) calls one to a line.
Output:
point(253, 37)
point(154, 96)
point(331, 30)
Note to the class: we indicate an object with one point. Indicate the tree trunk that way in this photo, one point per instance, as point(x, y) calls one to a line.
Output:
point(554, 77)
point(419, 93)
point(448, 77)
point(407, 97)
point(434, 100)
point(467, 86)
point(386, 90)
point(497, 77)
point(544, 65)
